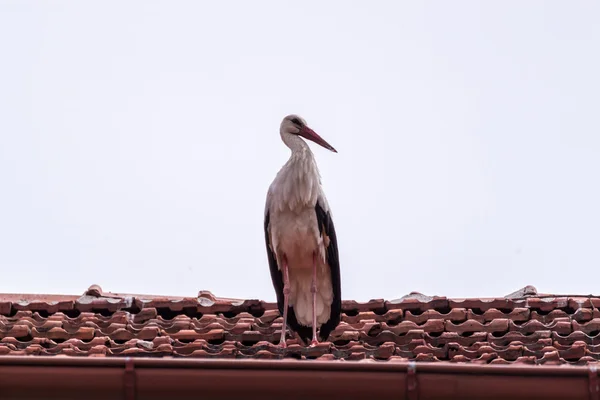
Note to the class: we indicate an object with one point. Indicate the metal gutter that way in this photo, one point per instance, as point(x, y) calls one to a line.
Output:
point(36, 377)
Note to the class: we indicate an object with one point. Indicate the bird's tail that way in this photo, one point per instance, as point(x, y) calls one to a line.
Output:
point(303, 299)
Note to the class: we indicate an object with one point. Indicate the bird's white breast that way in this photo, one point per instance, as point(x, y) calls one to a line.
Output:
point(293, 196)
point(296, 186)
point(295, 233)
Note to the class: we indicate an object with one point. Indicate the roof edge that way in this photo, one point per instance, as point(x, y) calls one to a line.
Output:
point(292, 364)
point(149, 379)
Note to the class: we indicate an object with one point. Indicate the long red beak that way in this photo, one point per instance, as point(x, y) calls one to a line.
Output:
point(309, 134)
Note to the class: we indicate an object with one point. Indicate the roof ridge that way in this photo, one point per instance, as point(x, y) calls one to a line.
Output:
point(527, 292)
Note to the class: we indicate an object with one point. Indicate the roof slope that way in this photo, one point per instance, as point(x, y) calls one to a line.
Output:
point(524, 327)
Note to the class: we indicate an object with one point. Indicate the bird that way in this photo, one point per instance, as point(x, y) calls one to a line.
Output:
point(301, 240)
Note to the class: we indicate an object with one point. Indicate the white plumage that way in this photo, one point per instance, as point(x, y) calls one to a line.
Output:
point(295, 203)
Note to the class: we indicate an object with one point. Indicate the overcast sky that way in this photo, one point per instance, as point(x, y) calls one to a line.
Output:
point(138, 140)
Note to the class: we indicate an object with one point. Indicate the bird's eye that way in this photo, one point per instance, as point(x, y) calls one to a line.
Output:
point(296, 121)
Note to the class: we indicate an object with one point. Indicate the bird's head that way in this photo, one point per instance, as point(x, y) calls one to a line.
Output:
point(296, 125)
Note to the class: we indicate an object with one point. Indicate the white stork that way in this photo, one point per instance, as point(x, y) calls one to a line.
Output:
point(301, 240)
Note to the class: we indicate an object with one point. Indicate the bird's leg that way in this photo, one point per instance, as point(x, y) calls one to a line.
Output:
point(313, 289)
point(286, 293)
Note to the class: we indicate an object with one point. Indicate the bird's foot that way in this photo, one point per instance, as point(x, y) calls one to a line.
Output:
point(283, 337)
point(314, 343)
point(282, 340)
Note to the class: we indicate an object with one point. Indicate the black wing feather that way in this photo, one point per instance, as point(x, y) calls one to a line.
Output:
point(304, 332)
point(333, 260)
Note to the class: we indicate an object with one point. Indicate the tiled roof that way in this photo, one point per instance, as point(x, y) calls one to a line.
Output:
point(524, 327)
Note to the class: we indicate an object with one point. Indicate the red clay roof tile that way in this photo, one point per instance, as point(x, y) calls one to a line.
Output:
point(524, 327)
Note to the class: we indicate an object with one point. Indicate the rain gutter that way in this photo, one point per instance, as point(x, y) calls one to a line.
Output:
point(99, 378)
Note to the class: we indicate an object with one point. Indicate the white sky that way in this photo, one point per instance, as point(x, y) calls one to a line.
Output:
point(138, 140)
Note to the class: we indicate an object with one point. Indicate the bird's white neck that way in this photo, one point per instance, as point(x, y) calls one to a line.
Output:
point(301, 154)
point(296, 144)
point(299, 180)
